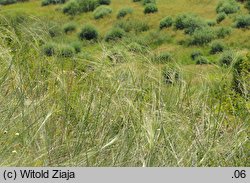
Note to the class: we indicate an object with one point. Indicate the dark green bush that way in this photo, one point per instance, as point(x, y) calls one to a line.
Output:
point(69, 27)
point(88, 5)
point(88, 32)
point(6, 2)
point(114, 34)
point(228, 7)
point(195, 54)
point(166, 22)
point(71, 7)
point(150, 8)
point(202, 60)
point(77, 46)
point(104, 2)
point(54, 29)
point(136, 0)
point(145, 2)
point(241, 76)
point(49, 49)
point(132, 25)
point(102, 11)
point(171, 74)
point(123, 12)
point(217, 47)
point(220, 17)
point(211, 23)
point(222, 32)
point(66, 51)
point(48, 2)
point(227, 58)
point(163, 57)
point(202, 36)
point(243, 21)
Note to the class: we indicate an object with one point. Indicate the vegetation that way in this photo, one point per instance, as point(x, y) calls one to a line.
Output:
point(102, 11)
point(130, 89)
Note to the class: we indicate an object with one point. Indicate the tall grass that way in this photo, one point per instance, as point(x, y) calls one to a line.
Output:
point(79, 112)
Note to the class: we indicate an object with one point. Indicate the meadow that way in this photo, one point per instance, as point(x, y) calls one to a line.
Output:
point(125, 83)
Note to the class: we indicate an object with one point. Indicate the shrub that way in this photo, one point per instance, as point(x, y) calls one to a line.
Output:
point(189, 23)
point(87, 5)
point(102, 11)
point(54, 29)
point(211, 23)
point(243, 21)
point(145, 2)
point(241, 76)
point(69, 27)
point(123, 12)
point(227, 58)
point(88, 32)
point(104, 2)
point(49, 49)
point(217, 47)
point(166, 22)
point(150, 8)
point(48, 2)
point(71, 7)
point(195, 54)
point(222, 32)
point(136, 0)
point(220, 17)
point(227, 6)
point(202, 36)
point(202, 60)
point(6, 2)
point(66, 51)
point(114, 34)
point(77, 46)
point(163, 57)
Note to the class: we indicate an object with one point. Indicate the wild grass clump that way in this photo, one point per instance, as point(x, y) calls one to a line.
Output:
point(163, 57)
point(216, 47)
point(132, 25)
point(124, 12)
point(145, 2)
point(202, 60)
point(73, 7)
point(220, 17)
point(150, 8)
point(171, 74)
point(69, 27)
point(243, 21)
point(136, 47)
point(222, 32)
point(202, 36)
point(65, 51)
point(228, 7)
point(195, 54)
point(227, 58)
point(114, 34)
point(211, 23)
point(166, 22)
point(77, 46)
point(104, 2)
point(49, 49)
point(6, 2)
point(102, 11)
point(189, 23)
point(48, 2)
point(54, 29)
point(88, 32)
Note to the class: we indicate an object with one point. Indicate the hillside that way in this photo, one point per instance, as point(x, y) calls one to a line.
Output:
point(124, 83)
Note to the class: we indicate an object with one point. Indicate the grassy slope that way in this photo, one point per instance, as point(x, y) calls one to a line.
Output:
point(122, 115)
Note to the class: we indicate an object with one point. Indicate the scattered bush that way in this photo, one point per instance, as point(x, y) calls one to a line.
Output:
point(104, 2)
point(217, 47)
point(145, 2)
point(202, 36)
point(195, 54)
point(69, 27)
point(227, 58)
point(166, 22)
point(171, 74)
point(102, 11)
point(88, 32)
point(49, 49)
point(136, 0)
point(48, 2)
point(123, 12)
point(6, 2)
point(114, 34)
point(222, 32)
point(163, 57)
point(87, 5)
point(211, 23)
point(77, 46)
point(132, 25)
point(71, 8)
point(150, 8)
point(202, 60)
point(243, 21)
point(228, 7)
point(65, 51)
point(54, 29)
point(220, 17)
